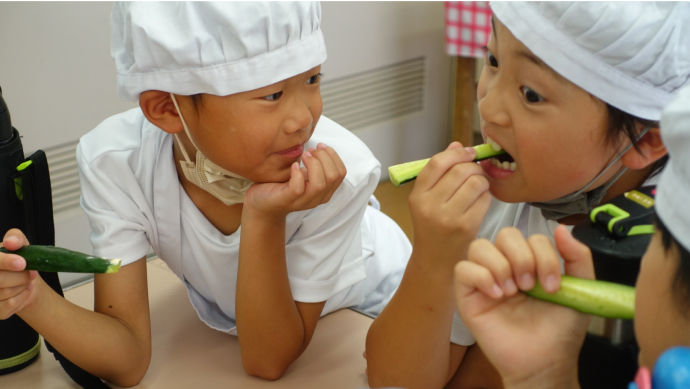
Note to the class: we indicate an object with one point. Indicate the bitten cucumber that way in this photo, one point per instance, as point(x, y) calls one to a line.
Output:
point(406, 172)
point(57, 259)
point(600, 298)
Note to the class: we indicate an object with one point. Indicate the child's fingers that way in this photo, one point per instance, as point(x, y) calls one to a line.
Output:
point(11, 279)
point(11, 262)
point(296, 185)
point(317, 181)
point(470, 276)
point(440, 163)
point(12, 305)
point(340, 166)
point(548, 263)
point(330, 171)
point(483, 253)
point(471, 189)
point(463, 176)
point(513, 244)
point(7, 293)
point(14, 240)
point(577, 256)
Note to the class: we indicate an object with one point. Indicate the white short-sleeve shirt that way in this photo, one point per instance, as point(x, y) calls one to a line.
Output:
point(133, 200)
point(529, 221)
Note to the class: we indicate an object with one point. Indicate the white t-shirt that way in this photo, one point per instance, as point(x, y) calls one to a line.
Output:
point(529, 221)
point(133, 200)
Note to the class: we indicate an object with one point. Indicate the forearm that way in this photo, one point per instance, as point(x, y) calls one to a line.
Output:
point(408, 345)
point(270, 328)
point(102, 345)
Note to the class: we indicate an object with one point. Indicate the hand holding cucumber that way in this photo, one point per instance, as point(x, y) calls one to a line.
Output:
point(509, 325)
point(447, 205)
point(17, 286)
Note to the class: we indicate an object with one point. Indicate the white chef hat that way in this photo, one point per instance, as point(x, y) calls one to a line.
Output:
point(218, 48)
point(673, 191)
point(632, 55)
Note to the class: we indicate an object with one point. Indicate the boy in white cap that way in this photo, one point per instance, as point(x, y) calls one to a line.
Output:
point(534, 344)
point(572, 91)
point(230, 173)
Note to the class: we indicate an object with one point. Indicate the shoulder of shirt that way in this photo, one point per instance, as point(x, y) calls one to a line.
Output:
point(358, 159)
point(118, 134)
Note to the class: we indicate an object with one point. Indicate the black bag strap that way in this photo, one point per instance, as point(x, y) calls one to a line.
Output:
point(36, 196)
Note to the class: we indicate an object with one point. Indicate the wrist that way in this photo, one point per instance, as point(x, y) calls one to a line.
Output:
point(251, 214)
point(555, 376)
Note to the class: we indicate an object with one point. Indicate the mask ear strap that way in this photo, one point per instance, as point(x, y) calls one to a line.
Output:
point(184, 124)
point(625, 150)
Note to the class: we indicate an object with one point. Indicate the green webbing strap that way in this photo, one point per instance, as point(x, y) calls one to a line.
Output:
point(21, 358)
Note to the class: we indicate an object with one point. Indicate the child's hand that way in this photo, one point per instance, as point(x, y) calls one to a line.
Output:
point(307, 188)
point(17, 287)
point(448, 203)
point(524, 338)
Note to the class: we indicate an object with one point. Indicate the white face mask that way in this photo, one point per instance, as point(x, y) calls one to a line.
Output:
point(226, 186)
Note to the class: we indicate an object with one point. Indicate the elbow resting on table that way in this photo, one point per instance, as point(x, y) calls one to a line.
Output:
point(268, 369)
point(131, 375)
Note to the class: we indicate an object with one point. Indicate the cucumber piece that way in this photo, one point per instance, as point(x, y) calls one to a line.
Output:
point(600, 298)
point(57, 259)
point(406, 172)
point(485, 151)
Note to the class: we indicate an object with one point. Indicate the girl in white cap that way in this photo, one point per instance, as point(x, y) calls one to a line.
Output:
point(534, 344)
point(230, 173)
point(572, 92)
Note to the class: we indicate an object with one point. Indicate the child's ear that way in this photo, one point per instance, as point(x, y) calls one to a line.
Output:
point(160, 110)
point(652, 150)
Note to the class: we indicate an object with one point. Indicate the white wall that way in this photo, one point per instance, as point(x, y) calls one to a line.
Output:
point(56, 73)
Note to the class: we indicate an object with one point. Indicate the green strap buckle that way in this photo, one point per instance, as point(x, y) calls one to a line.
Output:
point(618, 215)
point(18, 180)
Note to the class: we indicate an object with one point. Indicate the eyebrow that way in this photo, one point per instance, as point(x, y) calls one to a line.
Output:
point(535, 60)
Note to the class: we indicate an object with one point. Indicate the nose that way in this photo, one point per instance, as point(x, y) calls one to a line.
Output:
point(300, 116)
point(492, 102)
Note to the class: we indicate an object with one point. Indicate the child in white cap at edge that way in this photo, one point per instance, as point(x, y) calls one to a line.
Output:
point(573, 92)
point(207, 172)
point(534, 344)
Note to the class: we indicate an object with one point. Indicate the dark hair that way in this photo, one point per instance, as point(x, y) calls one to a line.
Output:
point(681, 282)
point(620, 121)
point(197, 100)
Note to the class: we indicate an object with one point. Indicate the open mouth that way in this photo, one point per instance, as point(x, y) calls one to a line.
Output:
point(503, 161)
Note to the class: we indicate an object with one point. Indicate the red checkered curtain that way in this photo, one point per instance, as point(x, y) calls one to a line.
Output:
point(468, 27)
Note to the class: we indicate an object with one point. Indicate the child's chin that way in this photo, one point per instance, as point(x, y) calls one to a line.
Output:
point(504, 194)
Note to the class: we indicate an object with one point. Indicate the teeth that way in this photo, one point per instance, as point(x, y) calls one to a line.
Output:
point(493, 144)
point(505, 165)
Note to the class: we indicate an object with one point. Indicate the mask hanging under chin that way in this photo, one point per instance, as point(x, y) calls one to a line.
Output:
point(581, 201)
point(224, 185)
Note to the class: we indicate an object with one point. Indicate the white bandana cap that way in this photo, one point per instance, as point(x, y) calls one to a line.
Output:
point(632, 55)
point(219, 48)
point(672, 201)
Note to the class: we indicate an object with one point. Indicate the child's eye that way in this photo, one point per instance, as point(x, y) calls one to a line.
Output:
point(489, 59)
point(273, 97)
point(530, 95)
point(314, 79)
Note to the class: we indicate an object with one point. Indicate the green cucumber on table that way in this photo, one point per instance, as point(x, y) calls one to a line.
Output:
point(57, 259)
point(406, 172)
point(600, 298)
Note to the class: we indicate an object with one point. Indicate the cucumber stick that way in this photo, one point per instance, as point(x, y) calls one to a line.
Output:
point(599, 298)
point(57, 259)
point(406, 172)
